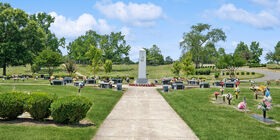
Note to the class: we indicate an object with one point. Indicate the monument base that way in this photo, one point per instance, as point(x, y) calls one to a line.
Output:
point(141, 81)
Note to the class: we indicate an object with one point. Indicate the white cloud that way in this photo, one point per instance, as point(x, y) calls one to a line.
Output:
point(125, 30)
point(262, 19)
point(264, 2)
point(132, 13)
point(68, 28)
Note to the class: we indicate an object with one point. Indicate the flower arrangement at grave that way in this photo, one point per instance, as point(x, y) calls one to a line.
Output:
point(258, 90)
point(242, 105)
point(266, 103)
point(216, 94)
point(229, 97)
point(237, 91)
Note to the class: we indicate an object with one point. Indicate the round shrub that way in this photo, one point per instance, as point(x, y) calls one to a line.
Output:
point(227, 73)
point(237, 73)
point(253, 73)
point(242, 73)
point(12, 104)
point(39, 105)
point(247, 73)
point(70, 109)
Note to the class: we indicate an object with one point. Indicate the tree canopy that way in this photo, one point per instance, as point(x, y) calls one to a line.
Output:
point(154, 56)
point(275, 55)
point(201, 35)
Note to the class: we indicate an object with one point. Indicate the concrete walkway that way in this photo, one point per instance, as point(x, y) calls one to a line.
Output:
point(269, 74)
point(143, 114)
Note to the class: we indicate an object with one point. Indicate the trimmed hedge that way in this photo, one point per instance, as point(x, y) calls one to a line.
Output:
point(242, 73)
point(237, 73)
point(70, 109)
point(227, 73)
point(253, 73)
point(12, 104)
point(247, 73)
point(203, 71)
point(256, 65)
point(39, 105)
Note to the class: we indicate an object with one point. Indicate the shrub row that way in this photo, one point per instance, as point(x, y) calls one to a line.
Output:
point(117, 77)
point(204, 71)
point(256, 65)
point(67, 110)
point(211, 67)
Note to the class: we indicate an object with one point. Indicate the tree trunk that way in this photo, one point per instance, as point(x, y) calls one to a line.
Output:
point(4, 68)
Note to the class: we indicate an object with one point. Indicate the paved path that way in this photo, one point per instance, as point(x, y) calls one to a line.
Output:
point(269, 74)
point(143, 114)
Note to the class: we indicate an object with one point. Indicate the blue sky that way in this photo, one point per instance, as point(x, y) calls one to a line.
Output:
point(163, 22)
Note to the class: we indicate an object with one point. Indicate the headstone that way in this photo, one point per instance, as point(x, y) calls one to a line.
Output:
point(68, 80)
point(229, 85)
point(57, 82)
point(165, 88)
point(142, 79)
point(77, 83)
point(119, 86)
point(91, 81)
point(177, 85)
point(204, 85)
point(105, 85)
point(116, 81)
point(166, 81)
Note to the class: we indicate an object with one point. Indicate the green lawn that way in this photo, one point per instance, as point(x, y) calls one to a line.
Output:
point(215, 121)
point(104, 101)
point(155, 72)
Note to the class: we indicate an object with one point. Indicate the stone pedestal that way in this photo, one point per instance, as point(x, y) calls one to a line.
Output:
point(142, 68)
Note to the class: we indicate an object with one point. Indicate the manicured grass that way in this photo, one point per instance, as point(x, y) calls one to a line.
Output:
point(104, 101)
point(31, 80)
point(215, 121)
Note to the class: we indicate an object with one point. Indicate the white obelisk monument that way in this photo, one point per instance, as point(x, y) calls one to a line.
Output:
point(142, 68)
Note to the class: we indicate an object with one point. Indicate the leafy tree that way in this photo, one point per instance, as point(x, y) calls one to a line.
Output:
point(196, 40)
point(12, 49)
point(108, 66)
point(176, 68)
point(35, 68)
point(154, 56)
point(79, 47)
point(256, 52)
point(168, 60)
point(187, 65)
point(230, 62)
point(95, 55)
point(243, 51)
point(44, 21)
point(70, 67)
point(221, 51)
point(49, 59)
point(34, 39)
point(114, 47)
point(274, 56)
point(210, 54)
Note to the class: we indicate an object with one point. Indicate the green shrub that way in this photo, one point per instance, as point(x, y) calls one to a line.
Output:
point(232, 73)
point(39, 105)
point(242, 73)
point(12, 104)
point(247, 73)
point(203, 71)
point(237, 73)
point(227, 73)
point(253, 73)
point(70, 109)
point(217, 74)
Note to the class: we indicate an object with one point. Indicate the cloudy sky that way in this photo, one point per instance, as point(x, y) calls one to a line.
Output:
point(162, 22)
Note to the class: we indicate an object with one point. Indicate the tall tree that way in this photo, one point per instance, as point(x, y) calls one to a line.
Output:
point(79, 47)
point(256, 52)
point(154, 56)
point(44, 20)
point(114, 47)
point(196, 40)
point(49, 59)
point(95, 55)
point(230, 62)
point(210, 54)
point(274, 56)
point(221, 52)
point(243, 51)
point(188, 66)
point(168, 60)
point(176, 68)
point(12, 49)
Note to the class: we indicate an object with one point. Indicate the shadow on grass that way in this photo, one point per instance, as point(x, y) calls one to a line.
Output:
point(45, 122)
